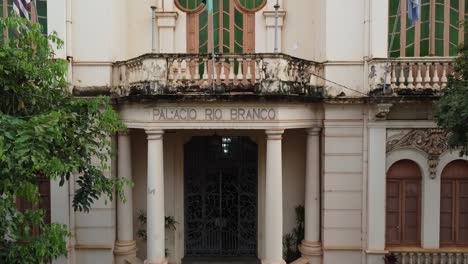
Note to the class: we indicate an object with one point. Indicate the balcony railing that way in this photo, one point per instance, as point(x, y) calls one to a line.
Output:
point(193, 73)
point(412, 75)
point(437, 257)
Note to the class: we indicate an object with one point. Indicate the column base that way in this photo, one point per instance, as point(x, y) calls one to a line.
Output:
point(312, 251)
point(124, 250)
point(265, 261)
point(163, 261)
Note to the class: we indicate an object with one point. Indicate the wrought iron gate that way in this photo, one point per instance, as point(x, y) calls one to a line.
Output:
point(220, 197)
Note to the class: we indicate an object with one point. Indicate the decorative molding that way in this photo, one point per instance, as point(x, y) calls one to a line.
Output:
point(94, 246)
point(383, 110)
point(433, 142)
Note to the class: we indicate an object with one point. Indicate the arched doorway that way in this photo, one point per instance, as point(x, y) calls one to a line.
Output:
point(403, 205)
point(454, 204)
point(220, 196)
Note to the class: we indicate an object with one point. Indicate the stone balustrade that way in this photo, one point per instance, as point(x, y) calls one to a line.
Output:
point(194, 73)
point(439, 257)
point(411, 74)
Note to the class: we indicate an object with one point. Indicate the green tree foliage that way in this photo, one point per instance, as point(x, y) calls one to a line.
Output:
point(452, 111)
point(44, 132)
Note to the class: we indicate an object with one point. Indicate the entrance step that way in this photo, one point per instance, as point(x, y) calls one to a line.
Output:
point(220, 260)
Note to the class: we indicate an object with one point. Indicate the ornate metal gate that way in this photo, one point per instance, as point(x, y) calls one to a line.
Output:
point(220, 197)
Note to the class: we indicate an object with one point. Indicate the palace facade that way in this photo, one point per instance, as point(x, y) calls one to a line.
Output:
point(228, 146)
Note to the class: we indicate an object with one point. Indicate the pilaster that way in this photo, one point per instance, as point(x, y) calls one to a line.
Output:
point(270, 29)
point(166, 23)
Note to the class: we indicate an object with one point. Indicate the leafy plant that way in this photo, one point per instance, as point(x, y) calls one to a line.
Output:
point(390, 258)
point(292, 240)
point(452, 108)
point(44, 132)
point(170, 223)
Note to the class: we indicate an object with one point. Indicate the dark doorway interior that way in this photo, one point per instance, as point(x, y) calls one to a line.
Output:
point(220, 200)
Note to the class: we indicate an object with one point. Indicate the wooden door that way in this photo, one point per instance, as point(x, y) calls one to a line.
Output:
point(403, 205)
point(454, 204)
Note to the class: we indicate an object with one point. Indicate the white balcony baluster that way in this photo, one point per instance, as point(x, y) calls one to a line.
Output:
point(444, 80)
point(402, 78)
point(231, 70)
point(222, 74)
point(248, 76)
point(393, 74)
point(410, 76)
point(427, 76)
point(435, 76)
point(240, 70)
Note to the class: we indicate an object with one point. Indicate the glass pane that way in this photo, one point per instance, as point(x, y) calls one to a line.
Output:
point(446, 235)
point(446, 220)
point(463, 235)
point(411, 204)
point(411, 234)
point(412, 189)
point(411, 219)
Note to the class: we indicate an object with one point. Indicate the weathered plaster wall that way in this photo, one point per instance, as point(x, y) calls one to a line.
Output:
point(342, 192)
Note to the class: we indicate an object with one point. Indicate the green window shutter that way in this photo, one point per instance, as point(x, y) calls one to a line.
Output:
point(41, 7)
point(424, 41)
point(251, 4)
point(395, 48)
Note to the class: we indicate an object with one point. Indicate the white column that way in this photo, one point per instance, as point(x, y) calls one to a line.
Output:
point(125, 246)
point(376, 189)
point(274, 199)
point(155, 199)
point(166, 22)
point(311, 247)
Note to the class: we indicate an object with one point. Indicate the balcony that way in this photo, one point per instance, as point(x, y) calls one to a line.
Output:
point(192, 74)
point(411, 76)
point(432, 257)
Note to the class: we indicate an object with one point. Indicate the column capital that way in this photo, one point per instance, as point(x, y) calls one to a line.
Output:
point(124, 133)
point(166, 19)
point(270, 17)
point(154, 134)
point(314, 131)
point(274, 134)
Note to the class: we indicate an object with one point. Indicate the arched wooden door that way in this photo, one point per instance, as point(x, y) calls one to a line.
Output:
point(234, 25)
point(454, 204)
point(403, 206)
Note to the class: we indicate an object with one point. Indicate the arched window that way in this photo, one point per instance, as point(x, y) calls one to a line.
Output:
point(454, 204)
point(234, 25)
point(403, 206)
point(437, 33)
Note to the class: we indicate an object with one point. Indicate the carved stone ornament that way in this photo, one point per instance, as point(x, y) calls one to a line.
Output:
point(433, 142)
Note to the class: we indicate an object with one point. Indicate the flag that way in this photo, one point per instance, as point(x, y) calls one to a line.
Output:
point(414, 10)
point(209, 5)
point(22, 8)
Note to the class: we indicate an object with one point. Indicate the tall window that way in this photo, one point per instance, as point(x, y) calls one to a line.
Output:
point(234, 25)
point(38, 15)
point(44, 203)
point(438, 32)
point(454, 204)
point(403, 210)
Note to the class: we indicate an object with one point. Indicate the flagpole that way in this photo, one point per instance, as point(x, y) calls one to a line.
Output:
point(210, 10)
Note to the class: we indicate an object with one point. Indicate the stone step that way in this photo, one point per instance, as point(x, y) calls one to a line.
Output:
point(220, 260)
